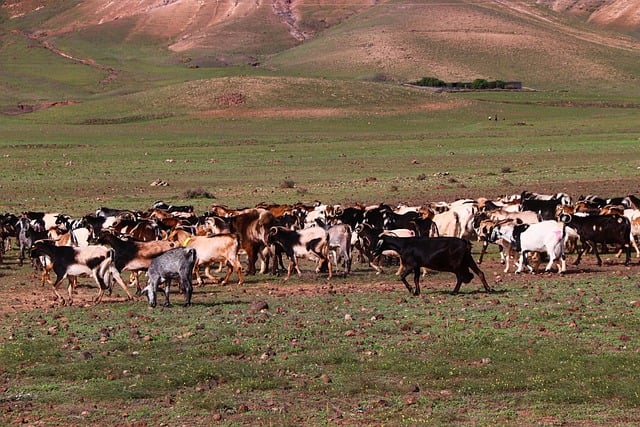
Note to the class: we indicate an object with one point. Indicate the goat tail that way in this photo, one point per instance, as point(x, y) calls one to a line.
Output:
point(458, 226)
point(193, 255)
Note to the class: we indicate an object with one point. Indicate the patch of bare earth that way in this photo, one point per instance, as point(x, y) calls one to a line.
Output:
point(20, 289)
point(611, 13)
point(30, 108)
point(18, 8)
point(314, 112)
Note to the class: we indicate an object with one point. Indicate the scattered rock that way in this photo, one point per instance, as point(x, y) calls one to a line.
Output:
point(159, 183)
point(410, 400)
point(258, 306)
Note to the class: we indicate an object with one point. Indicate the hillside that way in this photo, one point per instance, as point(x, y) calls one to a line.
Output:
point(194, 22)
point(619, 14)
point(538, 42)
point(508, 40)
point(226, 27)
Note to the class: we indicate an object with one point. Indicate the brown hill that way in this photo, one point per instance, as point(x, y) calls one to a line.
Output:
point(455, 40)
point(623, 14)
point(193, 24)
point(196, 24)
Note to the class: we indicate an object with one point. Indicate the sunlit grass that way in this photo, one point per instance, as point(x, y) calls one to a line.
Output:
point(560, 342)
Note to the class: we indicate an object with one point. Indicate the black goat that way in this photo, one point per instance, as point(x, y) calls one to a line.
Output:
point(449, 254)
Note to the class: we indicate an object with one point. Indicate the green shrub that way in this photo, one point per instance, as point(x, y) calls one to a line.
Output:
point(430, 81)
point(287, 183)
point(480, 84)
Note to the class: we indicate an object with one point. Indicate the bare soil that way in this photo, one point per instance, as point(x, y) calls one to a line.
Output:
point(20, 288)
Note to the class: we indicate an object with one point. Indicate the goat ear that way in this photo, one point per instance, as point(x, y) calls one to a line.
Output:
point(273, 231)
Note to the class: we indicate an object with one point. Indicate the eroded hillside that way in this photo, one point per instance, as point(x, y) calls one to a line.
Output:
point(624, 14)
point(196, 24)
point(525, 40)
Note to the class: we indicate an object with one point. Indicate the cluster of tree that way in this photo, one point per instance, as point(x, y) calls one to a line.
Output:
point(476, 84)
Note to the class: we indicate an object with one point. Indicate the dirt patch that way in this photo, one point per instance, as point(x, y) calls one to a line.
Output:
point(30, 108)
point(20, 288)
point(302, 112)
point(612, 13)
point(230, 99)
point(17, 8)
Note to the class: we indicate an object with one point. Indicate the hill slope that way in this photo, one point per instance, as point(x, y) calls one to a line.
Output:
point(391, 39)
point(195, 20)
point(243, 28)
point(620, 14)
point(464, 40)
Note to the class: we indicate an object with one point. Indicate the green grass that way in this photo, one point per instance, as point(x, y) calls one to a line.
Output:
point(542, 349)
point(562, 348)
point(109, 151)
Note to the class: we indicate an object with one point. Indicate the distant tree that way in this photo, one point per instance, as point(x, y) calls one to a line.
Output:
point(476, 84)
point(431, 82)
point(480, 84)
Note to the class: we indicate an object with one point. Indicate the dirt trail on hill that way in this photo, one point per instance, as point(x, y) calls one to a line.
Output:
point(526, 10)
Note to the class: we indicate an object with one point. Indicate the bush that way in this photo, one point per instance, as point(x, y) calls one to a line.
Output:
point(287, 183)
point(381, 77)
point(198, 193)
point(431, 82)
point(476, 84)
point(480, 84)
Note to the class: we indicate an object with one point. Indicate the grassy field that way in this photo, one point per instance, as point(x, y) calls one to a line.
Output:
point(359, 351)
point(390, 143)
point(356, 351)
point(540, 350)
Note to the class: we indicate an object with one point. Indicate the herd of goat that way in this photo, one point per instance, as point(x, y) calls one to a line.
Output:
point(173, 243)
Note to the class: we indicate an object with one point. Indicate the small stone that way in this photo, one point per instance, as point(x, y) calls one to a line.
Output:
point(258, 306)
